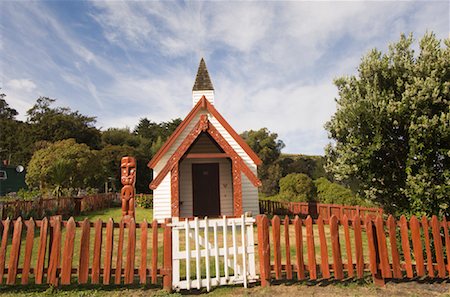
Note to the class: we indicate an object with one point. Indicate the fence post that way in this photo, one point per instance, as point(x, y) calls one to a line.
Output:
point(167, 256)
point(374, 253)
point(263, 249)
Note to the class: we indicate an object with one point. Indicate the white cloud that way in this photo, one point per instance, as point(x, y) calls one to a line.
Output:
point(25, 85)
point(272, 63)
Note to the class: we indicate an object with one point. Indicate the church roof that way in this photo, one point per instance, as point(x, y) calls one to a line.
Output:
point(204, 104)
point(202, 80)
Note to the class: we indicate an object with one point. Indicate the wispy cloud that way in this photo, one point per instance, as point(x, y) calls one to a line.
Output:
point(272, 63)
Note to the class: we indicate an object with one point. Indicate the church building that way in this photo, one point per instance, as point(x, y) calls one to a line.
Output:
point(205, 168)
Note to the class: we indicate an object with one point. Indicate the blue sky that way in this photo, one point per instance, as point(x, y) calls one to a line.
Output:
point(272, 63)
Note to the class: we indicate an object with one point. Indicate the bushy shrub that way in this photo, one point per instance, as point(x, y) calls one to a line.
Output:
point(144, 201)
point(297, 187)
point(333, 193)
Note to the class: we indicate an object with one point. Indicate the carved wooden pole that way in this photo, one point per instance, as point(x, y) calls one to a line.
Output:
point(128, 179)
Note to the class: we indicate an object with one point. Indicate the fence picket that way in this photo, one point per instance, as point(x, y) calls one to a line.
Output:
point(447, 243)
point(325, 268)
point(206, 236)
point(155, 251)
point(95, 275)
point(244, 251)
point(67, 259)
point(358, 246)
point(39, 270)
point(348, 246)
point(167, 255)
point(233, 236)
point(311, 248)
point(426, 235)
point(188, 253)
point(225, 247)
point(15, 252)
point(397, 271)
point(299, 248)
point(288, 248)
point(131, 251)
point(28, 251)
point(143, 265)
point(5, 235)
point(197, 253)
point(336, 248)
point(118, 274)
point(83, 264)
point(276, 246)
point(55, 252)
point(406, 246)
point(216, 252)
point(382, 248)
point(436, 229)
point(264, 249)
point(109, 241)
point(371, 244)
point(417, 245)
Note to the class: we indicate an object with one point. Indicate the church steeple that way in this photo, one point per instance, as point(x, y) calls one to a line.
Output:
point(203, 85)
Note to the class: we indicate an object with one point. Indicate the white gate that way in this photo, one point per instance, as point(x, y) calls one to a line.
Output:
point(212, 252)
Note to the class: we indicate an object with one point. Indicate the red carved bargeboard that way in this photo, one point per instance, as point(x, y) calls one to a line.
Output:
point(238, 166)
point(128, 179)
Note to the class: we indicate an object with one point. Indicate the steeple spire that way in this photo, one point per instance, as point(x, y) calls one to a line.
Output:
point(202, 85)
point(202, 80)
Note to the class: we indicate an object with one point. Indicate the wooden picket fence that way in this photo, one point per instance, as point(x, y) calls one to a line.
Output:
point(386, 259)
point(314, 209)
point(59, 261)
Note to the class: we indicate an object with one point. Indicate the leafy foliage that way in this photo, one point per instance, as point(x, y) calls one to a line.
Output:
point(297, 187)
point(53, 124)
point(392, 128)
point(333, 193)
point(268, 148)
point(63, 164)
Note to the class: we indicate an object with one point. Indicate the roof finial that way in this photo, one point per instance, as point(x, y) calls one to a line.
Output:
point(202, 80)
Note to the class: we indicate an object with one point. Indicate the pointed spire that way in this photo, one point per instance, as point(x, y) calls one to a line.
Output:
point(202, 80)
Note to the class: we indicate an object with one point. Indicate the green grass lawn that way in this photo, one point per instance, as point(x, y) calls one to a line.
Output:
point(116, 215)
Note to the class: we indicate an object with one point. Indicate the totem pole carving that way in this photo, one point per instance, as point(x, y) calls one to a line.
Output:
point(128, 179)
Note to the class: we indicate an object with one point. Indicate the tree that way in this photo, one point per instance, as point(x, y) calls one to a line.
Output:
point(63, 164)
point(6, 112)
point(15, 144)
point(53, 124)
point(392, 128)
point(333, 193)
point(297, 187)
point(268, 148)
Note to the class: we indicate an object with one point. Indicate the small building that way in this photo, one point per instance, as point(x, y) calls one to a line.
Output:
point(205, 168)
point(12, 178)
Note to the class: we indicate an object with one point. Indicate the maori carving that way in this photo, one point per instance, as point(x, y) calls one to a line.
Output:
point(184, 146)
point(128, 179)
point(230, 151)
point(238, 165)
point(174, 190)
point(237, 187)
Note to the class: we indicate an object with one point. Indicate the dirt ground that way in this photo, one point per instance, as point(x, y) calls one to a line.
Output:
point(411, 288)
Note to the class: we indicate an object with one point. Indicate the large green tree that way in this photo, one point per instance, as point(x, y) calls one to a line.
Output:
point(64, 164)
point(57, 123)
point(268, 148)
point(391, 130)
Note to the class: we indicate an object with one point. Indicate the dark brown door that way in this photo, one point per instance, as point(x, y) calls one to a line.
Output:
point(205, 184)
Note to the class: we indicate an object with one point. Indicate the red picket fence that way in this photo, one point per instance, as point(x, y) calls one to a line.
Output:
point(66, 206)
point(48, 258)
point(379, 238)
point(313, 209)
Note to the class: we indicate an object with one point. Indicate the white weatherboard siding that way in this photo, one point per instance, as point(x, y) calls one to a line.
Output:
point(249, 196)
point(197, 95)
point(161, 200)
point(225, 186)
